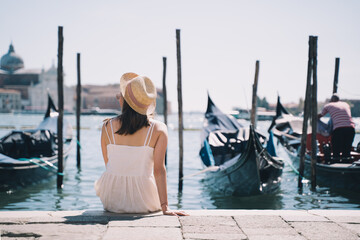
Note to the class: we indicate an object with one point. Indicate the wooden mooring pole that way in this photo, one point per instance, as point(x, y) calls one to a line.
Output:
point(254, 95)
point(181, 128)
point(78, 112)
point(336, 75)
point(165, 98)
point(314, 114)
point(310, 112)
point(306, 115)
point(60, 81)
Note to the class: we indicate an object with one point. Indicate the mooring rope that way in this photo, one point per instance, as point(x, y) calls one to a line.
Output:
point(293, 168)
point(78, 143)
point(44, 167)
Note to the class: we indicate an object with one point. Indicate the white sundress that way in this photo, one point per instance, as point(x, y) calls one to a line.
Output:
point(128, 184)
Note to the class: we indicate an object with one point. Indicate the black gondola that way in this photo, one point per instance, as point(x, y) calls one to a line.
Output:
point(30, 156)
point(330, 172)
point(238, 164)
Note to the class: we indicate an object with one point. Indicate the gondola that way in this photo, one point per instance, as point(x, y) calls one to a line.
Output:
point(237, 163)
point(30, 156)
point(330, 172)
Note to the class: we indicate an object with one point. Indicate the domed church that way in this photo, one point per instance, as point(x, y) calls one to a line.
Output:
point(11, 61)
point(14, 76)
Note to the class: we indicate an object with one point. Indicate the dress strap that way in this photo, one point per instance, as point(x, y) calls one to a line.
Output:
point(107, 132)
point(148, 135)
point(112, 130)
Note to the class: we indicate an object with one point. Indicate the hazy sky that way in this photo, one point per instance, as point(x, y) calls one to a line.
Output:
point(220, 42)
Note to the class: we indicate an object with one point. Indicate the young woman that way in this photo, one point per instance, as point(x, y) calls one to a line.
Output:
point(133, 147)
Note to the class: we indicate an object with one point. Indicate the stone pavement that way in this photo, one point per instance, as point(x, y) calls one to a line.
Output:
point(202, 224)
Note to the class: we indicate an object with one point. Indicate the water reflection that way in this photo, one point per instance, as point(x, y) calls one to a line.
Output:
point(179, 198)
point(27, 197)
point(77, 185)
point(265, 201)
point(326, 198)
point(58, 197)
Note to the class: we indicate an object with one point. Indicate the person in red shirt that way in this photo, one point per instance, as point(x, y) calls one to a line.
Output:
point(343, 126)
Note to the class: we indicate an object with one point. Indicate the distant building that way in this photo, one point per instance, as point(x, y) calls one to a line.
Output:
point(104, 97)
point(9, 100)
point(14, 76)
point(33, 84)
point(48, 85)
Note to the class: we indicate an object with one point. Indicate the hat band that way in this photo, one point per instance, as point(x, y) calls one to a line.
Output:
point(133, 99)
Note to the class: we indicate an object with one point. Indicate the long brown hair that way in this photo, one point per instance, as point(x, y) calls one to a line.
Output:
point(130, 120)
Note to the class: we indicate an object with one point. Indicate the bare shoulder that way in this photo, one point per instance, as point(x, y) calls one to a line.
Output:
point(106, 121)
point(106, 125)
point(159, 127)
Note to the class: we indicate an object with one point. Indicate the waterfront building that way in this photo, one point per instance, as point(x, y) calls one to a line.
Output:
point(14, 76)
point(9, 100)
point(48, 85)
point(33, 84)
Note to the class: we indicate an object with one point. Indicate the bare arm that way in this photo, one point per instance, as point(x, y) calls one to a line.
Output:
point(159, 165)
point(104, 143)
point(160, 170)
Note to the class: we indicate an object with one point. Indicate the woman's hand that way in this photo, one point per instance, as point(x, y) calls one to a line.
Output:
point(167, 211)
point(175, 213)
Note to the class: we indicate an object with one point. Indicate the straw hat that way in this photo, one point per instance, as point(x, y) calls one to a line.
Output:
point(139, 92)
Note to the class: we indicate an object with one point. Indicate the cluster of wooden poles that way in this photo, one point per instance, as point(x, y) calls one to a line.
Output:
point(311, 110)
point(310, 107)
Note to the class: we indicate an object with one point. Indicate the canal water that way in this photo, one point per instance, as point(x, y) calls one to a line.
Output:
point(78, 192)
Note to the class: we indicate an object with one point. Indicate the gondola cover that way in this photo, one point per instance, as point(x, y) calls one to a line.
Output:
point(21, 144)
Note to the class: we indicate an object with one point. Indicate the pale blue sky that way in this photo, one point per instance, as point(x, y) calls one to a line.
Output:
point(221, 40)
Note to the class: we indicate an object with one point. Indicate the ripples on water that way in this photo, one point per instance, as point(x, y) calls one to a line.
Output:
point(78, 192)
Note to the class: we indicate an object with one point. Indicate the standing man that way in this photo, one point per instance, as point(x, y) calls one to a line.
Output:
point(343, 126)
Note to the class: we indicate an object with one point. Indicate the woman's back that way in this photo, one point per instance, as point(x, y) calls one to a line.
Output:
point(128, 184)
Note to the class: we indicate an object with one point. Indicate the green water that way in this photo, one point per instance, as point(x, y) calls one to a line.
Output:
point(78, 192)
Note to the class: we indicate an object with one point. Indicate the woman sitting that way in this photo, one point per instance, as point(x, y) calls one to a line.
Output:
point(133, 146)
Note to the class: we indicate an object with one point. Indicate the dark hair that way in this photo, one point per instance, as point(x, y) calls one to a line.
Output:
point(335, 98)
point(131, 121)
